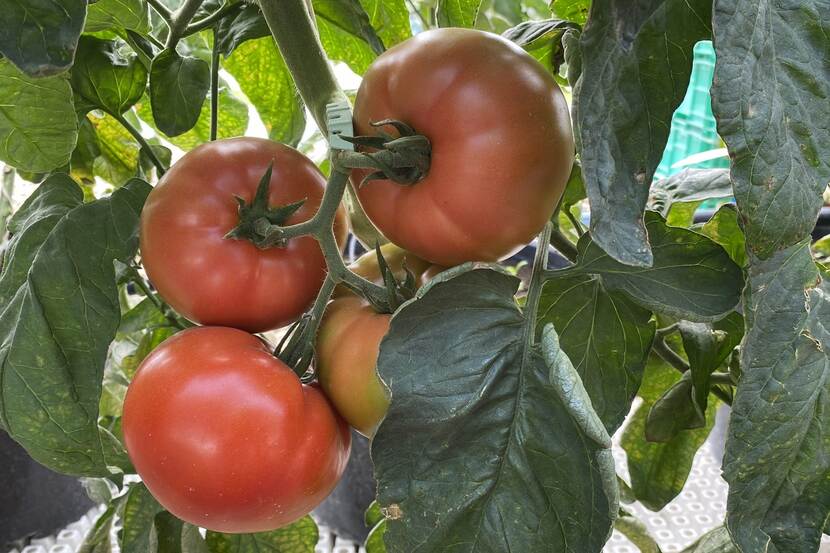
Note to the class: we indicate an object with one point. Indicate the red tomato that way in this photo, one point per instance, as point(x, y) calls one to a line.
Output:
point(213, 280)
point(502, 145)
point(226, 437)
point(348, 344)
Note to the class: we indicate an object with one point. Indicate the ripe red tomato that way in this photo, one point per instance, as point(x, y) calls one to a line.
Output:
point(502, 145)
point(226, 437)
point(348, 343)
point(213, 280)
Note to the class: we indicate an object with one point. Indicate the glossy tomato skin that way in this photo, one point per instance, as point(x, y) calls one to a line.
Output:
point(348, 343)
point(502, 145)
point(226, 437)
point(217, 281)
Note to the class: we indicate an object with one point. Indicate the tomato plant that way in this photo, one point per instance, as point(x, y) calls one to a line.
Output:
point(226, 437)
point(477, 96)
point(215, 281)
point(130, 128)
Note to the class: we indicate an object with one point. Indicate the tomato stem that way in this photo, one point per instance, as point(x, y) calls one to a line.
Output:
point(163, 11)
point(293, 29)
point(299, 349)
point(563, 245)
point(162, 307)
point(214, 87)
point(537, 280)
point(223, 12)
point(145, 146)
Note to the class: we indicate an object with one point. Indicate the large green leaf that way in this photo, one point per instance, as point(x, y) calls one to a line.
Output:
point(503, 450)
point(390, 18)
point(607, 337)
point(769, 96)
point(343, 45)
point(178, 87)
point(299, 537)
point(260, 71)
point(102, 78)
point(40, 36)
point(636, 61)
point(659, 470)
point(247, 24)
point(348, 16)
point(58, 320)
point(457, 13)
point(777, 458)
point(38, 127)
point(692, 277)
point(106, 15)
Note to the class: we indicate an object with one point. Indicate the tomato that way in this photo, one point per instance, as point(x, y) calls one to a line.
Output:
point(367, 266)
point(214, 280)
point(226, 437)
point(502, 145)
point(348, 343)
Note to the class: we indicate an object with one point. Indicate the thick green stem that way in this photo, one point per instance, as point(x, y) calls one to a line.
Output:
point(575, 222)
point(214, 89)
point(296, 37)
point(666, 331)
point(180, 20)
point(537, 281)
point(160, 167)
point(563, 245)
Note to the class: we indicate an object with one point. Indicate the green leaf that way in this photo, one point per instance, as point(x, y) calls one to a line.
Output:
point(40, 36)
point(374, 541)
point(692, 277)
point(373, 515)
point(178, 87)
point(725, 229)
point(636, 62)
point(104, 79)
point(542, 40)
point(260, 71)
point(770, 100)
point(140, 512)
point(342, 44)
point(38, 127)
point(637, 532)
point(457, 13)
point(233, 120)
point(689, 185)
point(390, 18)
point(481, 468)
point(59, 318)
point(713, 541)
point(247, 24)
point(348, 16)
point(575, 189)
point(571, 10)
point(676, 410)
point(169, 533)
point(104, 15)
point(82, 162)
point(98, 540)
point(299, 537)
point(776, 459)
point(660, 470)
point(192, 540)
point(607, 337)
point(119, 159)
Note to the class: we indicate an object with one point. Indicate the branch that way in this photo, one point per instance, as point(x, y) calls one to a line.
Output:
point(205, 22)
point(160, 167)
point(563, 245)
point(180, 20)
point(537, 280)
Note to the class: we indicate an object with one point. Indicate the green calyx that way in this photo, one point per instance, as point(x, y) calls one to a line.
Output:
point(404, 159)
point(257, 220)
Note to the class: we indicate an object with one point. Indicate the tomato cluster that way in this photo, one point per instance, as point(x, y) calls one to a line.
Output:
point(222, 432)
